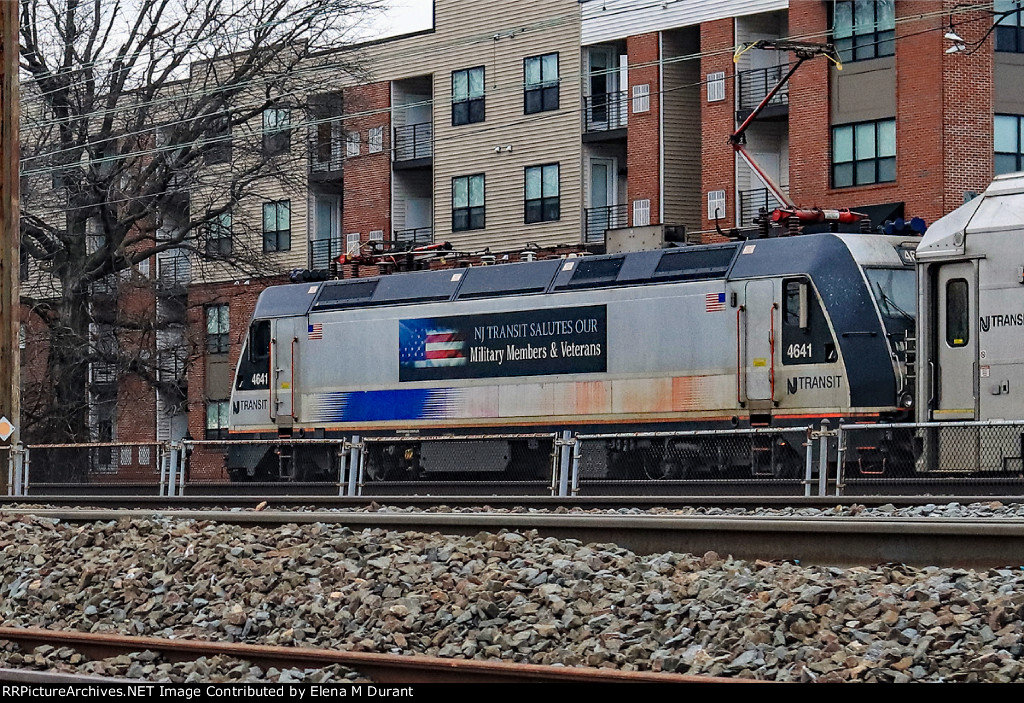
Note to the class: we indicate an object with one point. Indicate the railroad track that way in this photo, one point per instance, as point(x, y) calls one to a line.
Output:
point(842, 541)
point(381, 668)
point(495, 501)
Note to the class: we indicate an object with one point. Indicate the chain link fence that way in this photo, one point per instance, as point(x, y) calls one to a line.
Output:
point(130, 468)
point(936, 458)
point(773, 461)
point(955, 458)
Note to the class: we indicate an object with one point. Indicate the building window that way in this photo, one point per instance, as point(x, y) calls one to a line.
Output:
point(277, 226)
point(216, 419)
point(864, 153)
point(468, 203)
point(468, 96)
point(864, 29)
point(276, 133)
point(376, 139)
point(218, 141)
point(217, 327)
point(352, 144)
point(1009, 151)
point(542, 194)
point(541, 83)
point(217, 234)
point(1010, 29)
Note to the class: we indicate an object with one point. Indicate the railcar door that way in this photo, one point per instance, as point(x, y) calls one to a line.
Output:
point(286, 335)
point(760, 307)
point(954, 367)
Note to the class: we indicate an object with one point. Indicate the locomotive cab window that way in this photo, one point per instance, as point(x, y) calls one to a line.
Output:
point(958, 330)
point(254, 364)
point(259, 340)
point(806, 338)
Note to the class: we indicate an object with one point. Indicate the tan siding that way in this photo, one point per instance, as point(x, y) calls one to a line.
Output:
point(606, 20)
point(682, 130)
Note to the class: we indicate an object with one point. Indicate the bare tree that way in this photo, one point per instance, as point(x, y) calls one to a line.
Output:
point(146, 122)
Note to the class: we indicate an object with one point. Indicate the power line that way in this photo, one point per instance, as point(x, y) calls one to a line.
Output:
point(462, 133)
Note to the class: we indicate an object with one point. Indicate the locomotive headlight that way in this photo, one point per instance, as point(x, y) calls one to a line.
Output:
point(906, 400)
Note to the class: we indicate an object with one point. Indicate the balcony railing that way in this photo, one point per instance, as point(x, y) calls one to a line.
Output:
point(173, 274)
point(323, 251)
point(601, 219)
point(414, 141)
point(605, 111)
point(751, 201)
point(415, 236)
point(755, 84)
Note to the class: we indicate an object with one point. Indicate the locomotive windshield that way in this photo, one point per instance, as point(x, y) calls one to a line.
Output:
point(895, 291)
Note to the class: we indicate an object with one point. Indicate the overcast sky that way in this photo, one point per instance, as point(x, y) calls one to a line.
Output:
point(407, 16)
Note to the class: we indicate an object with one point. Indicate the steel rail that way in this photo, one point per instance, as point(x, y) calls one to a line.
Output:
point(53, 678)
point(381, 668)
point(840, 541)
point(524, 502)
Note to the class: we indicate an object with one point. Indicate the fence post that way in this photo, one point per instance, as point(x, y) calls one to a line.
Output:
point(356, 459)
point(11, 488)
point(564, 457)
point(342, 453)
point(161, 458)
point(20, 471)
point(823, 460)
point(840, 468)
point(577, 451)
point(182, 464)
point(172, 467)
point(809, 464)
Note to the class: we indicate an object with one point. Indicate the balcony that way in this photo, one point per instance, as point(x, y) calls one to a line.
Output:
point(173, 275)
point(417, 236)
point(755, 84)
point(605, 114)
point(751, 202)
point(601, 219)
point(323, 252)
point(414, 145)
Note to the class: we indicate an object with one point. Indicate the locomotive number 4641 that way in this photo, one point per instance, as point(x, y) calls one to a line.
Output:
point(800, 351)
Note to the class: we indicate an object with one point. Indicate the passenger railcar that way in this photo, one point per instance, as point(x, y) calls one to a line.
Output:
point(767, 332)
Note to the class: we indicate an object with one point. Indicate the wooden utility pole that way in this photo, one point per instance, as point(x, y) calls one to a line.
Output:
point(10, 361)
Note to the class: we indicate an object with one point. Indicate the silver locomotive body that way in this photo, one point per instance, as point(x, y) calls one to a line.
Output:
point(764, 332)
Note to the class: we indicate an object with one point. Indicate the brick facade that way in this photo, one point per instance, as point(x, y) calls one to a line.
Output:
point(643, 156)
point(718, 120)
point(367, 177)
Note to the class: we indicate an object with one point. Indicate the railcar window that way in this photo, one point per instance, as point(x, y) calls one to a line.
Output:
point(958, 331)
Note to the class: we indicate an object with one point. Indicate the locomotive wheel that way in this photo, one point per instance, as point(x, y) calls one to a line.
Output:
point(660, 468)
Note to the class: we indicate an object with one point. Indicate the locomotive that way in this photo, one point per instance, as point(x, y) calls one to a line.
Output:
point(771, 332)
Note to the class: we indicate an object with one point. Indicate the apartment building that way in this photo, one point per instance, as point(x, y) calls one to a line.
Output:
point(542, 126)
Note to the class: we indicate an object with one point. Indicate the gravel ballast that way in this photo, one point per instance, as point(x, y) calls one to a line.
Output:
point(515, 597)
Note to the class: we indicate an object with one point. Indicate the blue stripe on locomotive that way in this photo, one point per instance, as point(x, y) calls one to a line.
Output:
point(384, 405)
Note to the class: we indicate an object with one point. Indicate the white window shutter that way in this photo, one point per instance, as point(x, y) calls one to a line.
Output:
point(352, 243)
point(352, 144)
point(716, 86)
point(376, 140)
point(641, 98)
point(641, 213)
point(716, 205)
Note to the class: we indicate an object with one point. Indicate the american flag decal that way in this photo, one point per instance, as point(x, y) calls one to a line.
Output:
point(714, 302)
point(434, 347)
point(315, 331)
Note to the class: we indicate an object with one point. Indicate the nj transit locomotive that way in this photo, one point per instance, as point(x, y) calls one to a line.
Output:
point(775, 332)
